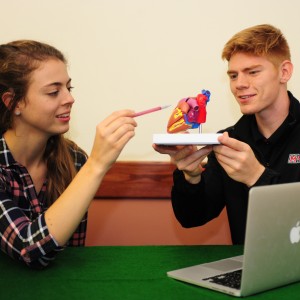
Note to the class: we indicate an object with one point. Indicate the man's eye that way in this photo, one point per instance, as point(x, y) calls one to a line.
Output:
point(253, 72)
point(70, 88)
point(232, 76)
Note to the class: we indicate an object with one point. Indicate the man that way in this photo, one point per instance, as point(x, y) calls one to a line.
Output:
point(262, 148)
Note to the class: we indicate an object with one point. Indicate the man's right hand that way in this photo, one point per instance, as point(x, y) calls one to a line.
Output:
point(188, 159)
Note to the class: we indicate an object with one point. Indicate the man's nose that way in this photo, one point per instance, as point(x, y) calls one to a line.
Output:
point(242, 82)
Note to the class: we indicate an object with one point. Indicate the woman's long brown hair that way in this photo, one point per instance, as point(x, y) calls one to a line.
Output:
point(18, 60)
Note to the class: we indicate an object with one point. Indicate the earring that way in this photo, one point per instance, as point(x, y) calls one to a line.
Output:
point(17, 112)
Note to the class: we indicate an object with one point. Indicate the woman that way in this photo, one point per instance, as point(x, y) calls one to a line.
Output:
point(46, 181)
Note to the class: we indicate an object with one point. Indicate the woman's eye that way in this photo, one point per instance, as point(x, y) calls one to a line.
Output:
point(70, 88)
point(54, 93)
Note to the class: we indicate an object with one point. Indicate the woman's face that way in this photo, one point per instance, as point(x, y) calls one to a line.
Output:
point(47, 106)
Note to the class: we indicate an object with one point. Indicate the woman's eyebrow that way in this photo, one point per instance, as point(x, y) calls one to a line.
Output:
point(58, 83)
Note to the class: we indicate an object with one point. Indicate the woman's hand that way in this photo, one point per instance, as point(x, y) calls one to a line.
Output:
point(112, 134)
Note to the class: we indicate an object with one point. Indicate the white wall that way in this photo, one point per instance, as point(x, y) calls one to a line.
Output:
point(142, 53)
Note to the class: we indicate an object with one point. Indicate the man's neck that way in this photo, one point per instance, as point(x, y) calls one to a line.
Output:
point(269, 121)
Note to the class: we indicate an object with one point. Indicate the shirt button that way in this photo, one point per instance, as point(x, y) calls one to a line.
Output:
point(267, 165)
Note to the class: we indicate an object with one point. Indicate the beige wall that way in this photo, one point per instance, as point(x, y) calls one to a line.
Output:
point(142, 53)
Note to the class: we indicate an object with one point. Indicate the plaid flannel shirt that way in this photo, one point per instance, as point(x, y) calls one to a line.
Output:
point(23, 231)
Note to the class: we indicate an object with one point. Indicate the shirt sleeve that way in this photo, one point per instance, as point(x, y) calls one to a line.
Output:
point(269, 176)
point(23, 239)
point(196, 204)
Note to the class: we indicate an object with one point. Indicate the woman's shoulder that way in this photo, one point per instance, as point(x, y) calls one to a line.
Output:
point(78, 154)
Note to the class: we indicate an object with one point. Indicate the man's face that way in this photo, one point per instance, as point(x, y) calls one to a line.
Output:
point(255, 83)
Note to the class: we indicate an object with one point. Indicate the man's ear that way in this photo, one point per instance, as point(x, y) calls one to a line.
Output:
point(286, 70)
point(6, 98)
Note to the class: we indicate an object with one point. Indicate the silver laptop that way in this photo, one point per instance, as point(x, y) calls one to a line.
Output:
point(272, 247)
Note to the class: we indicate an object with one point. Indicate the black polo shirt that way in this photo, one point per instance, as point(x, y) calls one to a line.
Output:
point(195, 205)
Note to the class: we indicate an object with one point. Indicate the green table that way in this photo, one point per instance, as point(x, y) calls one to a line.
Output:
point(122, 272)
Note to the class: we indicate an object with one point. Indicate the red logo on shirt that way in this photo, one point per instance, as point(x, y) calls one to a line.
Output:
point(294, 159)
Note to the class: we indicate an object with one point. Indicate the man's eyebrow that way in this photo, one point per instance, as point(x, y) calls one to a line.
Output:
point(229, 72)
point(243, 70)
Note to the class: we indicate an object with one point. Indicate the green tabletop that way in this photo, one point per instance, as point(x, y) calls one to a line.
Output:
point(122, 272)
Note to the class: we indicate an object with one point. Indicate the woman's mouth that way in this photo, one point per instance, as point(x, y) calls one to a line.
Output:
point(64, 117)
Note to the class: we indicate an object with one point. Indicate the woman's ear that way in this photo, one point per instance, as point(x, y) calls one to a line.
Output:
point(6, 98)
point(286, 71)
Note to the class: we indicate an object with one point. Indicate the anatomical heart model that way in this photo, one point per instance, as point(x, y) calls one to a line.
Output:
point(189, 113)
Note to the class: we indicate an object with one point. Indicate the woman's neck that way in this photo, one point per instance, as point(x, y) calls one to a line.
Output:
point(27, 150)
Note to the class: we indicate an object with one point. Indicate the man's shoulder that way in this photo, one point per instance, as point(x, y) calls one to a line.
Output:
point(295, 104)
point(243, 122)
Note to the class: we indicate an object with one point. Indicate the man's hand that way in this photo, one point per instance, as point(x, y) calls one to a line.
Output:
point(238, 160)
point(187, 159)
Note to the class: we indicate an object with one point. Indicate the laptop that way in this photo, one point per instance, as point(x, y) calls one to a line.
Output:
point(271, 255)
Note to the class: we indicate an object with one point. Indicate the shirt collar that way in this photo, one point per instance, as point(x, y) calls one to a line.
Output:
point(291, 119)
point(247, 126)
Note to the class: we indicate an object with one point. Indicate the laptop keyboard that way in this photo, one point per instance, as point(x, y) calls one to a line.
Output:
point(230, 279)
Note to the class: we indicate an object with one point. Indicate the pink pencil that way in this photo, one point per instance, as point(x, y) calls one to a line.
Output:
point(148, 111)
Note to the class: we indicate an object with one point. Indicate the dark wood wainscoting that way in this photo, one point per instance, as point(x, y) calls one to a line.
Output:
point(137, 179)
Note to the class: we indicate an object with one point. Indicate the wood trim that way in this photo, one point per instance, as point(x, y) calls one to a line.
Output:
point(137, 179)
